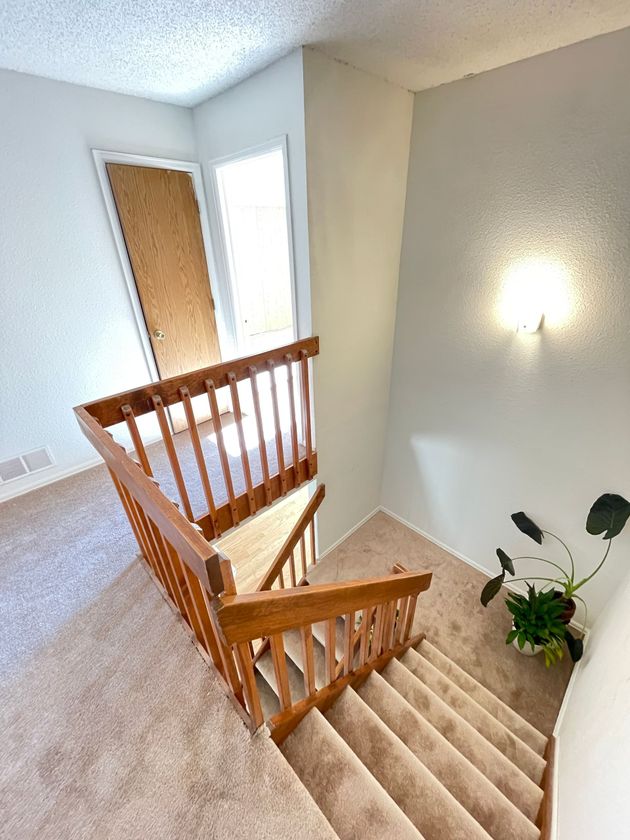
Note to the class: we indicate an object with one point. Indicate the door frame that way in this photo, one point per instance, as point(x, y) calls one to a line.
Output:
point(101, 158)
point(222, 259)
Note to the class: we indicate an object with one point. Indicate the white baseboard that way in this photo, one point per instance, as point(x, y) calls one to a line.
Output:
point(43, 478)
point(348, 534)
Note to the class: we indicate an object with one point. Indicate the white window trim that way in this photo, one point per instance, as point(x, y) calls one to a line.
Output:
point(101, 158)
point(224, 275)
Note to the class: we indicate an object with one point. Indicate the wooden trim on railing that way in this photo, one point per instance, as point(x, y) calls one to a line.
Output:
point(282, 724)
point(242, 618)
point(293, 539)
point(545, 814)
point(108, 411)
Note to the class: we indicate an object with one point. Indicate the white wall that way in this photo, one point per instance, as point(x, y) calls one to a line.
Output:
point(264, 107)
point(68, 332)
point(530, 160)
point(357, 149)
point(593, 767)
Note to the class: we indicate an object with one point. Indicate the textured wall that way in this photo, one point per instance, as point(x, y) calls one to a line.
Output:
point(68, 330)
point(530, 162)
point(357, 149)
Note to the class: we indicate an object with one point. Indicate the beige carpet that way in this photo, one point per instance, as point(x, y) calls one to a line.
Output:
point(112, 724)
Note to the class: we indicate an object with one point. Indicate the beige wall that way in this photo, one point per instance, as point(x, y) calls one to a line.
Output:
point(530, 161)
point(357, 145)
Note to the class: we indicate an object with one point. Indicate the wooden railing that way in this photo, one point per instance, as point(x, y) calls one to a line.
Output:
point(386, 607)
point(228, 383)
point(234, 630)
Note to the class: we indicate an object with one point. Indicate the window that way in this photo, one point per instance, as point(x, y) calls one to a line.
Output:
point(252, 196)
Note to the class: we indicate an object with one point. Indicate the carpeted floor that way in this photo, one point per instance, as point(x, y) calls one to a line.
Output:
point(112, 724)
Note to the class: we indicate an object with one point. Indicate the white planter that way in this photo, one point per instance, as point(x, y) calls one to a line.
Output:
point(527, 650)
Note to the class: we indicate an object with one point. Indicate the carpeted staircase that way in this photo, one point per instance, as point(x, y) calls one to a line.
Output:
point(419, 750)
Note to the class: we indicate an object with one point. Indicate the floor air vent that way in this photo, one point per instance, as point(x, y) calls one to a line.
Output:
point(25, 464)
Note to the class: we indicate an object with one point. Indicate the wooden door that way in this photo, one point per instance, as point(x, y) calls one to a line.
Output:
point(159, 217)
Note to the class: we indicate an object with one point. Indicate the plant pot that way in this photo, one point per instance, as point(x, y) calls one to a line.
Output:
point(527, 650)
point(570, 605)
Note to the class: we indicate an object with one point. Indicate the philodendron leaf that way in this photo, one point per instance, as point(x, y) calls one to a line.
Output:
point(506, 562)
point(608, 515)
point(525, 524)
point(576, 646)
point(492, 588)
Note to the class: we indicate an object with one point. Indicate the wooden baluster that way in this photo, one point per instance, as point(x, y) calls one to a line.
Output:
point(377, 635)
point(411, 611)
point(366, 622)
point(312, 534)
point(172, 455)
point(280, 670)
point(348, 646)
point(171, 571)
point(134, 433)
point(278, 429)
point(151, 553)
point(226, 654)
point(281, 578)
point(200, 460)
point(223, 457)
point(403, 604)
point(308, 661)
point(292, 569)
point(294, 433)
point(330, 649)
point(306, 413)
point(262, 446)
point(303, 556)
point(127, 509)
point(238, 418)
point(248, 679)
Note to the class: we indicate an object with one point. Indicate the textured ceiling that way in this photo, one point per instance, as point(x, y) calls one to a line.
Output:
point(184, 51)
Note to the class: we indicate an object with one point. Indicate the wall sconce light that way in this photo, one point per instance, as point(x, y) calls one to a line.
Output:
point(530, 322)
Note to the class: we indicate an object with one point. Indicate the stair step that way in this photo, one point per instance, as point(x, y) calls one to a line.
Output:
point(268, 697)
point(488, 805)
point(293, 647)
point(486, 724)
point(509, 778)
point(296, 679)
point(427, 803)
point(319, 632)
point(492, 704)
point(349, 796)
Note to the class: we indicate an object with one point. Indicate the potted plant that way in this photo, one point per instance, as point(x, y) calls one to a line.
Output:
point(608, 516)
point(537, 623)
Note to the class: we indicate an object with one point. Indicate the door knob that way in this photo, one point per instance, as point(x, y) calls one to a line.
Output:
point(159, 335)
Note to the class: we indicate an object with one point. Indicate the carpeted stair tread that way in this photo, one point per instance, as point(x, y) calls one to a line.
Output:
point(319, 633)
point(486, 724)
point(427, 803)
point(492, 809)
point(296, 679)
point(348, 795)
point(268, 697)
point(485, 698)
point(509, 778)
point(293, 648)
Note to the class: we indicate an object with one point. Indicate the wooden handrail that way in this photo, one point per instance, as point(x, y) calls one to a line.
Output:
point(109, 410)
point(242, 618)
point(291, 542)
point(185, 538)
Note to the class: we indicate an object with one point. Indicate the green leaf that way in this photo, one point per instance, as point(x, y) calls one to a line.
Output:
point(511, 636)
point(506, 562)
point(521, 640)
point(608, 515)
point(525, 524)
point(492, 588)
point(576, 646)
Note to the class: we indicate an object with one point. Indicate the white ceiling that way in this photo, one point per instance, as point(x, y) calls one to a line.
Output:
point(184, 51)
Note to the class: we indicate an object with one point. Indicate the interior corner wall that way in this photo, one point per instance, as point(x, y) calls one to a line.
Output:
point(357, 150)
point(264, 107)
point(68, 329)
point(593, 768)
point(527, 162)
